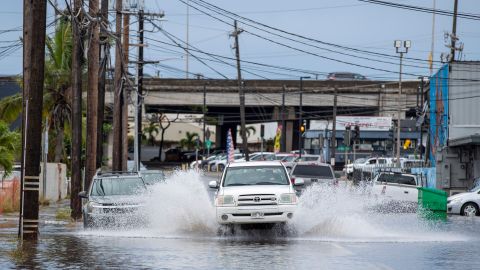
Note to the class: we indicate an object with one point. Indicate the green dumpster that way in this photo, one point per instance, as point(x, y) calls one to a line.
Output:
point(433, 203)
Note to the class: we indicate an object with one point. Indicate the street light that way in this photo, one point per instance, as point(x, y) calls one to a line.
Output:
point(300, 121)
point(398, 48)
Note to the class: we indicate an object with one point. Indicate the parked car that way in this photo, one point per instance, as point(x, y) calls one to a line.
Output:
point(349, 167)
point(113, 199)
point(222, 163)
point(312, 172)
point(397, 187)
point(314, 158)
point(396, 192)
point(253, 193)
point(151, 177)
point(345, 76)
point(265, 156)
point(465, 204)
point(131, 166)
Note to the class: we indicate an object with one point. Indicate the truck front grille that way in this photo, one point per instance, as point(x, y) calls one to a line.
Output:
point(257, 199)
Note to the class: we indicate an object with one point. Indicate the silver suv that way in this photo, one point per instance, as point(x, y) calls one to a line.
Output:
point(114, 198)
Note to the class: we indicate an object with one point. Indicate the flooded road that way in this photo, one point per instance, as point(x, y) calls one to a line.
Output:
point(333, 228)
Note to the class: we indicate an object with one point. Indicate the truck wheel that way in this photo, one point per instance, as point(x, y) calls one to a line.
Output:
point(470, 209)
point(226, 230)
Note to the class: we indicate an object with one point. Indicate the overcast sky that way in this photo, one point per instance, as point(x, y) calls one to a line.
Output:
point(348, 23)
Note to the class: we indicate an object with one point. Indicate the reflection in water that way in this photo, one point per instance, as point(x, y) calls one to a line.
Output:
point(333, 228)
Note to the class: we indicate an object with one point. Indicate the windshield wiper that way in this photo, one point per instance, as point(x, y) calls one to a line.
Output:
point(238, 184)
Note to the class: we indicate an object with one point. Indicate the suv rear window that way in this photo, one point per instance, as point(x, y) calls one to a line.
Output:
point(313, 171)
point(397, 179)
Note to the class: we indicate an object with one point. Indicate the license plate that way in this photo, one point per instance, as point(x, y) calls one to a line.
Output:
point(257, 215)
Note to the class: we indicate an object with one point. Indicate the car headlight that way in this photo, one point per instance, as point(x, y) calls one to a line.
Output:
point(456, 200)
point(287, 198)
point(94, 208)
point(225, 200)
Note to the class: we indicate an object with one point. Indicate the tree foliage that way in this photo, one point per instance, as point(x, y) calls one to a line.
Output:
point(10, 145)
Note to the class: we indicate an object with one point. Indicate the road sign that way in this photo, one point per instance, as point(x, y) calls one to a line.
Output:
point(344, 148)
point(208, 144)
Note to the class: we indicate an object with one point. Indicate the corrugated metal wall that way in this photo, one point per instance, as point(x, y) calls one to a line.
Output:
point(464, 99)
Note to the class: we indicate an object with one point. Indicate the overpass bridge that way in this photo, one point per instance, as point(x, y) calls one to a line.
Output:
point(264, 99)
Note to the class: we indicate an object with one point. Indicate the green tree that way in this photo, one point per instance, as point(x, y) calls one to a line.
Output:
point(151, 130)
point(10, 144)
point(249, 130)
point(189, 141)
point(57, 90)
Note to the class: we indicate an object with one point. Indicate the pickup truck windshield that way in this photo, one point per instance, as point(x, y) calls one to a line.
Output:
point(117, 186)
point(153, 178)
point(258, 175)
point(313, 171)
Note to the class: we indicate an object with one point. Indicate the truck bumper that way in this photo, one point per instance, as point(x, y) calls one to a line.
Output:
point(255, 215)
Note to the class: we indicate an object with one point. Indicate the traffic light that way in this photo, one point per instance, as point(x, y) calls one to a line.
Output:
point(302, 128)
point(356, 133)
point(406, 144)
point(347, 136)
point(390, 134)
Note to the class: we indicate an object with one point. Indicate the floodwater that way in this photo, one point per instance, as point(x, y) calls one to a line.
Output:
point(333, 228)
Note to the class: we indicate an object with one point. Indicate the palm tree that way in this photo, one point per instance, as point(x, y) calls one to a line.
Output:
point(152, 130)
point(249, 131)
point(189, 141)
point(9, 147)
point(57, 89)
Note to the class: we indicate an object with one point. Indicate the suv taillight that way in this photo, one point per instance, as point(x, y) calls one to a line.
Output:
point(292, 180)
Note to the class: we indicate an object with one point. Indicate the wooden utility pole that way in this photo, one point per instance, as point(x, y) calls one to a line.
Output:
point(241, 92)
point(334, 128)
point(126, 48)
point(283, 139)
point(140, 86)
point(104, 48)
point(77, 63)
point(118, 93)
point(34, 27)
point(454, 31)
point(92, 95)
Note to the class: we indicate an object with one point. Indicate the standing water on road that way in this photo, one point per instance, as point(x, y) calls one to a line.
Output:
point(333, 227)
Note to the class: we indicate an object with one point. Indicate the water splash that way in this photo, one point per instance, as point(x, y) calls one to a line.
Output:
point(182, 207)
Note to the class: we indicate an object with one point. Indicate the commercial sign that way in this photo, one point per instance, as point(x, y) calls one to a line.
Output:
point(373, 123)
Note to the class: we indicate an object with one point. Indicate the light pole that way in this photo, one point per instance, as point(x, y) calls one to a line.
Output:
point(300, 112)
point(398, 48)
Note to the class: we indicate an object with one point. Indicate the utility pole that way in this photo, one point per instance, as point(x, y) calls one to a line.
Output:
point(421, 124)
point(283, 139)
point(204, 110)
point(454, 31)
point(241, 92)
point(398, 44)
point(334, 128)
point(118, 93)
point(92, 95)
point(104, 48)
point(187, 41)
point(77, 63)
point(300, 112)
point(139, 88)
point(126, 50)
point(34, 27)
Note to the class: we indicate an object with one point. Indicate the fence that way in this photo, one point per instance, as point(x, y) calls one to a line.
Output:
point(10, 195)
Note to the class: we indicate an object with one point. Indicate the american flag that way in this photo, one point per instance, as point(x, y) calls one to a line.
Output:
point(230, 146)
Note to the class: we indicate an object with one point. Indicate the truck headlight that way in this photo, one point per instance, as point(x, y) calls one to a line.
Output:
point(287, 198)
point(94, 208)
point(225, 200)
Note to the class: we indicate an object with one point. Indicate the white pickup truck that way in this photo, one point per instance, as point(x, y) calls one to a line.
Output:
point(397, 188)
point(255, 193)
